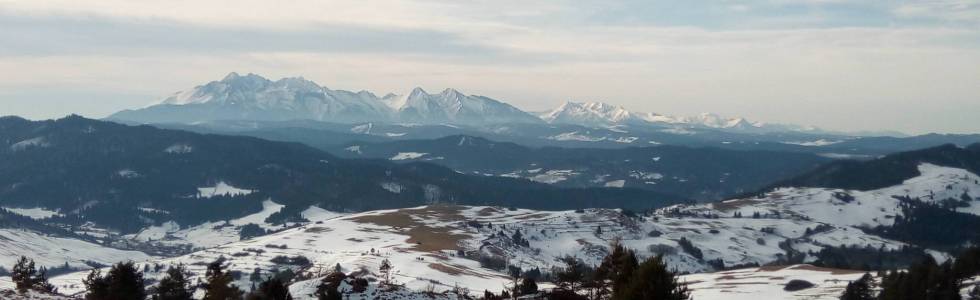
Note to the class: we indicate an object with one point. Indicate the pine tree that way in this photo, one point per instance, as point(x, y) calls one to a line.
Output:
point(652, 280)
point(528, 286)
point(271, 289)
point(40, 282)
point(96, 286)
point(859, 289)
point(125, 282)
point(385, 270)
point(571, 275)
point(122, 282)
point(174, 285)
point(23, 274)
point(327, 289)
point(615, 271)
point(218, 286)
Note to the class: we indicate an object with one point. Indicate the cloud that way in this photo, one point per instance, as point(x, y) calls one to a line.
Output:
point(966, 11)
point(827, 63)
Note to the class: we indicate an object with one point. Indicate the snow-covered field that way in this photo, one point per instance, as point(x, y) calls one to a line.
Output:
point(439, 246)
point(52, 251)
point(769, 283)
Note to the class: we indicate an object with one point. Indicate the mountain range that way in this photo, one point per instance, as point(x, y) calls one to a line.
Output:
point(125, 177)
point(253, 97)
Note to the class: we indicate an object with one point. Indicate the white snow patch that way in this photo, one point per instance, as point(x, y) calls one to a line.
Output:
point(553, 176)
point(408, 155)
point(28, 143)
point(817, 143)
point(355, 149)
point(392, 187)
point(221, 189)
point(36, 213)
point(616, 183)
point(179, 149)
point(575, 136)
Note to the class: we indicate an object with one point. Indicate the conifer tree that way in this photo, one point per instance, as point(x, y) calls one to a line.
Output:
point(96, 286)
point(859, 289)
point(218, 285)
point(23, 274)
point(327, 290)
point(122, 282)
point(652, 280)
point(174, 285)
point(616, 270)
point(271, 289)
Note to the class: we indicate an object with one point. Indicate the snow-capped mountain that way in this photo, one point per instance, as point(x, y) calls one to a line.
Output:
point(604, 114)
point(253, 97)
point(589, 113)
point(451, 106)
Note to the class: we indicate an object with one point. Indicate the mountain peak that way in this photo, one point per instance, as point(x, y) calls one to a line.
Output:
point(417, 91)
point(231, 76)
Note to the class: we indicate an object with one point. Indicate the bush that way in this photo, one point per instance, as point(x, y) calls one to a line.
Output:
point(689, 248)
point(298, 260)
point(492, 262)
point(797, 285)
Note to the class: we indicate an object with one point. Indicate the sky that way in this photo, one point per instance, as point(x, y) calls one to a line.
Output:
point(910, 66)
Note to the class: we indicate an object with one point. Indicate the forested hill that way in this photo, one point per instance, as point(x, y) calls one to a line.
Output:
point(888, 170)
point(127, 177)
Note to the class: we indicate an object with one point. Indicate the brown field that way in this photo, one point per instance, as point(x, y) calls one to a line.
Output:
point(424, 237)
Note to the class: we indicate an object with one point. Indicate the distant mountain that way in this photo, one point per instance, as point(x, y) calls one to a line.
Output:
point(253, 97)
point(697, 173)
point(126, 177)
point(604, 114)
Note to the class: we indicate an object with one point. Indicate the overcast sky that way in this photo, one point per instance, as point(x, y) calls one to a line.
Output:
point(912, 66)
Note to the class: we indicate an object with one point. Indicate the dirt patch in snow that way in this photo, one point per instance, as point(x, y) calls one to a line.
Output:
point(424, 237)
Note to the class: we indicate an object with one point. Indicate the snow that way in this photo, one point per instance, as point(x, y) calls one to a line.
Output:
point(575, 136)
point(768, 283)
point(221, 189)
point(816, 143)
point(408, 155)
point(362, 129)
point(179, 149)
point(422, 242)
point(626, 140)
point(319, 214)
point(29, 143)
point(53, 251)
point(393, 187)
point(127, 173)
point(616, 183)
point(36, 213)
point(553, 176)
point(355, 149)
point(212, 234)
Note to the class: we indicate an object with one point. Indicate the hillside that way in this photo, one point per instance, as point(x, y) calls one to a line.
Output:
point(699, 173)
point(443, 246)
point(888, 170)
point(128, 177)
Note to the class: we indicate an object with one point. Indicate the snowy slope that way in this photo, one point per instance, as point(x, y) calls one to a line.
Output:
point(768, 283)
point(53, 251)
point(424, 243)
point(439, 246)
